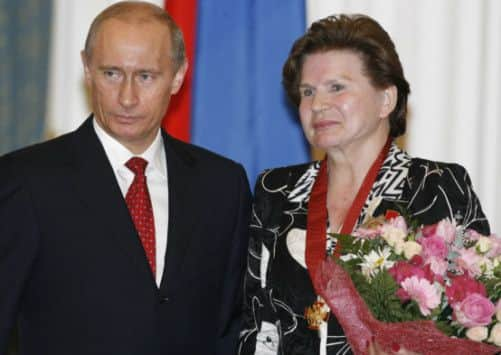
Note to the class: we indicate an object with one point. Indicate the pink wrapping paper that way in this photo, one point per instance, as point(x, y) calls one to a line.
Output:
point(336, 288)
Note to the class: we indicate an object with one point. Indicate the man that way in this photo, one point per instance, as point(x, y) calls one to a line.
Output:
point(117, 238)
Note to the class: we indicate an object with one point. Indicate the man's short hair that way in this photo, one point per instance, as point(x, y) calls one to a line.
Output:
point(139, 12)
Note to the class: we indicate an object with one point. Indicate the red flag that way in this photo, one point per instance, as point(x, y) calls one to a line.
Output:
point(177, 119)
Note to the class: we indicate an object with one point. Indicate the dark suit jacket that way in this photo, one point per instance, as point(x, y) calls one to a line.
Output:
point(73, 270)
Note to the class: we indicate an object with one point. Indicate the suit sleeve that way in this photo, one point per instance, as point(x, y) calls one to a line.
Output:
point(231, 302)
point(18, 245)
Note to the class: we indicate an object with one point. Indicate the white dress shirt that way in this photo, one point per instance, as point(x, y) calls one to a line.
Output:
point(156, 179)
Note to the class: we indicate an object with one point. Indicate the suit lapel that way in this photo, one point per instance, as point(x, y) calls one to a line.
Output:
point(183, 210)
point(96, 185)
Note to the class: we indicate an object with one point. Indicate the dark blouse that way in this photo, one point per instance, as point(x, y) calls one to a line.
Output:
point(278, 287)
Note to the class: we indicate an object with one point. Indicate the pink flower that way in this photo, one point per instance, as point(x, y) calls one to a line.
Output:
point(423, 292)
point(416, 260)
point(433, 246)
point(429, 230)
point(468, 261)
point(399, 223)
point(438, 266)
point(402, 270)
point(367, 233)
point(461, 287)
point(475, 310)
point(445, 229)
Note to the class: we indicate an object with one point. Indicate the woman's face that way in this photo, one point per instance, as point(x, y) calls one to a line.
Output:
point(339, 107)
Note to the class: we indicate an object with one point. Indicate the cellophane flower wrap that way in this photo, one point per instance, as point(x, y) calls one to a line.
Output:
point(430, 289)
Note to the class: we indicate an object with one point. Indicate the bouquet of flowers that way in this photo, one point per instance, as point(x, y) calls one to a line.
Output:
point(431, 289)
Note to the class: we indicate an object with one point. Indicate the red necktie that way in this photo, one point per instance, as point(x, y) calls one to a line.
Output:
point(141, 211)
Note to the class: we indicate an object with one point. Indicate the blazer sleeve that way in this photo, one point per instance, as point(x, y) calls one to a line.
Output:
point(266, 212)
point(231, 303)
point(18, 246)
point(442, 190)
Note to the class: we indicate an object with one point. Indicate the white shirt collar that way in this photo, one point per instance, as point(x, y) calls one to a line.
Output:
point(118, 154)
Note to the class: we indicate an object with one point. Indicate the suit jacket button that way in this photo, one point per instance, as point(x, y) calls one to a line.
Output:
point(164, 299)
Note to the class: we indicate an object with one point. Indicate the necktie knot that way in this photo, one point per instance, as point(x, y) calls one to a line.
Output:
point(137, 165)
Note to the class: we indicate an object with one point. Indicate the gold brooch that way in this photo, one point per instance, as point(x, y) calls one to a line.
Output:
point(317, 313)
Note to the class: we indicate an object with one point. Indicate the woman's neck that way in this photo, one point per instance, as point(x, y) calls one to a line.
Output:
point(348, 166)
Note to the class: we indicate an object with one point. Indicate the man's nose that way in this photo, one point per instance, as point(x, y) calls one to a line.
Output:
point(128, 93)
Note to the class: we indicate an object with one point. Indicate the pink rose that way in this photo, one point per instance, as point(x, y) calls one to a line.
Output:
point(461, 287)
point(475, 310)
point(433, 247)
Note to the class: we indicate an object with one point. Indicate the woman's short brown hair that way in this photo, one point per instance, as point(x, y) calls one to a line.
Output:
point(364, 36)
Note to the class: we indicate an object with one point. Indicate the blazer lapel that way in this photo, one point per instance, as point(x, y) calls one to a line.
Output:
point(98, 189)
point(183, 210)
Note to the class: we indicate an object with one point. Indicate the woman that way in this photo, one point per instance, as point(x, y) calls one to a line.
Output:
point(346, 79)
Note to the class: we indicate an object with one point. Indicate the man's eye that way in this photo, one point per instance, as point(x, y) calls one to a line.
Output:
point(145, 76)
point(110, 74)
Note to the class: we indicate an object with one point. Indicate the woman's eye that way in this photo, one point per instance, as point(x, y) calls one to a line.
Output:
point(336, 87)
point(306, 92)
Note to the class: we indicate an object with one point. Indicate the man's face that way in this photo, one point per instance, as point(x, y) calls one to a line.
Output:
point(131, 75)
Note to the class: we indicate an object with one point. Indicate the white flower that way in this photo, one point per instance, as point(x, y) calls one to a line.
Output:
point(376, 261)
point(398, 247)
point(496, 334)
point(486, 267)
point(477, 333)
point(483, 245)
point(348, 257)
point(393, 235)
point(411, 248)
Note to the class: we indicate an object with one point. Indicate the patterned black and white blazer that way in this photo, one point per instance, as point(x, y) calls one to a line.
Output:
point(278, 287)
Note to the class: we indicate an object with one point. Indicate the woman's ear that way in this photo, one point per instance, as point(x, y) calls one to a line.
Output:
point(389, 100)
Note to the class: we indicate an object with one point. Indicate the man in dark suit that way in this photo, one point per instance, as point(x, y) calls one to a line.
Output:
point(117, 238)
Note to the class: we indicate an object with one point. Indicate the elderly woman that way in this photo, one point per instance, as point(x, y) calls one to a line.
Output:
point(346, 79)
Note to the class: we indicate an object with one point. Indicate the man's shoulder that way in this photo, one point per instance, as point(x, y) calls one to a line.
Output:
point(37, 157)
point(200, 155)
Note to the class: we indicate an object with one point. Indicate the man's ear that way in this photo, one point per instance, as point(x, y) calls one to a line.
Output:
point(85, 62)
point(389, 100)
point(178, 79)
